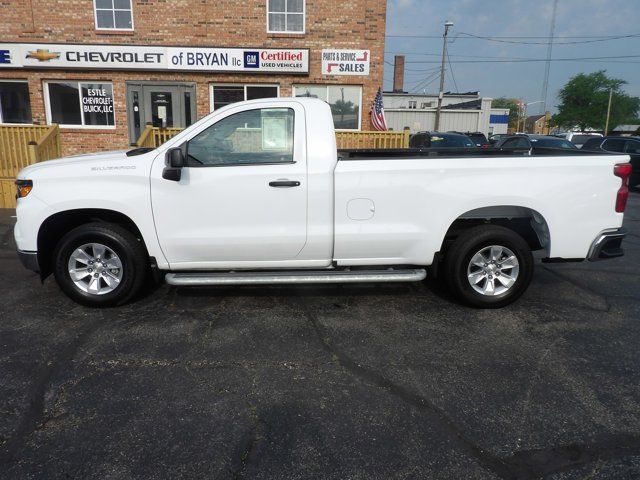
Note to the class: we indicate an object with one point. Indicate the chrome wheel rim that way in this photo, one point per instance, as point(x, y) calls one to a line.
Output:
point(95, 269)
point(493, 270)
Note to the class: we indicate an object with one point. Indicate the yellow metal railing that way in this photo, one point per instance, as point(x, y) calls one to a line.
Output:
point(154, 137)
point(20, 146)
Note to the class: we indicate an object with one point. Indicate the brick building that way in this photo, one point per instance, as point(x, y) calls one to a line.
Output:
point(103, 69)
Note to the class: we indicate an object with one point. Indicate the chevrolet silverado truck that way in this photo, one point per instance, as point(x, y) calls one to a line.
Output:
point(258, 193)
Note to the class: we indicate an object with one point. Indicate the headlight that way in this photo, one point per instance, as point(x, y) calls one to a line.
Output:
point(24, 187)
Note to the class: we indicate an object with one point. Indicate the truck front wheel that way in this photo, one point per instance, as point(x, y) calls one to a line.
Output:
point(100, 264)
point(488, 266)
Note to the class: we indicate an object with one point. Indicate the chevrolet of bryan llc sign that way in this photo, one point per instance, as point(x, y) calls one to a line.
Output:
point(118, 57)
point(345, 62)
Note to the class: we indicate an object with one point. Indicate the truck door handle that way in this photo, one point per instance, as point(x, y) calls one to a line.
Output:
point(284, 183)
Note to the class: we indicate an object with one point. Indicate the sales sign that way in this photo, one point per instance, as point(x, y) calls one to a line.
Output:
point(345, 62)
point(131, 57)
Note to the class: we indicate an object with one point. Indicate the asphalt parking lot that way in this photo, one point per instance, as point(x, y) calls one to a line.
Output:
point(358, 382)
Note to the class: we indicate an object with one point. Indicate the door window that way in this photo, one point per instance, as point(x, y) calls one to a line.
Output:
point(633, 147)
point(252, 137)
point(519, 142)
point(614, 145)
point(162, 109)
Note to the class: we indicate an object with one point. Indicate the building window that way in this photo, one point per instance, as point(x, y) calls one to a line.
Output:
point(413, 103)
point(226, 94)
point(113, 14)
point(80, 104)
point(345, 102)
point(285, 16)
point(14, 102)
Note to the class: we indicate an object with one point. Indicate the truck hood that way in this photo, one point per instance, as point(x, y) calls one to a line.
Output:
point(106, 160)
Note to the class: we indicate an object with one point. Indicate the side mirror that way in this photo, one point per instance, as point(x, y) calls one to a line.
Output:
point(174, 161)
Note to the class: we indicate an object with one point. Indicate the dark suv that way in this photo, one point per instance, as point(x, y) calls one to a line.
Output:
point(440, 140)
point(626, 145)
point(477, 137)
point(529, 141)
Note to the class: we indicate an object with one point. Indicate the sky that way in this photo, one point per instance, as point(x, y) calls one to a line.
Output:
point(409, 21)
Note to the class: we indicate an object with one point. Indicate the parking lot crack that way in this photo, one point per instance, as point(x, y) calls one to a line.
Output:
point(34, 418)
point(437, 417)
point(540, 463)
point(248, 452)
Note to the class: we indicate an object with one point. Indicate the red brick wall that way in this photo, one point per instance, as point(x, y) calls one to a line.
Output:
point(349, 24)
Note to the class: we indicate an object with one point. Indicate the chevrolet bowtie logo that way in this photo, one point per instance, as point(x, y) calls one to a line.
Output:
point(43, 55)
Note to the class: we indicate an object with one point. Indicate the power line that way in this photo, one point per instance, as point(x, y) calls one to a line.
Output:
point(458, 56)
point(568, 59)
point(549, 39)
point(425, 82)
point(452, 75)
point(518, 39)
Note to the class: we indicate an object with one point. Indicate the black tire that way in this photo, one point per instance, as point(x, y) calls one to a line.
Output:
point(131, 252)
point(458, 258)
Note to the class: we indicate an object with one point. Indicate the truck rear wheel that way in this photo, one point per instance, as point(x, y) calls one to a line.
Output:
point(100, 264)
point(488, 266)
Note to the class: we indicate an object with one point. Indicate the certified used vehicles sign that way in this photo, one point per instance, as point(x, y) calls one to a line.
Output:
point(131, 57)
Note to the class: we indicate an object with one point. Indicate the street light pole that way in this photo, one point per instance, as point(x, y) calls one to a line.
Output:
point(447, 24)
point(524, 114)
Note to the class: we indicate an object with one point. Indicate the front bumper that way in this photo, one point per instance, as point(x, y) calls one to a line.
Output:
point(29, 260)
point(607, 245)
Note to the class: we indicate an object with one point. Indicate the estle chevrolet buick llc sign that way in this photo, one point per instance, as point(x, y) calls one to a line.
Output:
point(117, 57)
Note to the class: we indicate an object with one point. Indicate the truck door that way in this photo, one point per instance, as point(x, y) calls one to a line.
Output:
point(242, 198)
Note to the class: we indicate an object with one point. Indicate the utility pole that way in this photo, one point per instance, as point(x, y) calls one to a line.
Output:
point(447, 24)
point(547, 67)
point(606, 125)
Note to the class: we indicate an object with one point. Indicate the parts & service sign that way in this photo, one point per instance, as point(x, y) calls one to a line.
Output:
point(131, 57)
point(345, 62)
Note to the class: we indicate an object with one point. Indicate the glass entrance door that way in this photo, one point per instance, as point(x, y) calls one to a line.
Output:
point(163, 106)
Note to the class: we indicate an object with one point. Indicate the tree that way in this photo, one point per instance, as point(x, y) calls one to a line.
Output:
point(584, 99)
point(512, 105)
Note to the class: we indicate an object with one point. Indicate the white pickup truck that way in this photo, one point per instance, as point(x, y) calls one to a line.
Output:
point(257, 193)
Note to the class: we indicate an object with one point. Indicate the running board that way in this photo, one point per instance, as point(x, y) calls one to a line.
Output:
point(300, 276)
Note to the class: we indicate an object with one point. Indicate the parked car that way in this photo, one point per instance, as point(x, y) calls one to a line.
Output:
point(627, 145)
point(477, 137)
point(440, 140)
point(223, 204)
point(579, 138)
point(528, 141)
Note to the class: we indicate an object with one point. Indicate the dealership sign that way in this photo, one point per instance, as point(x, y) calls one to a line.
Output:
point(345, 62)
point(127, 57)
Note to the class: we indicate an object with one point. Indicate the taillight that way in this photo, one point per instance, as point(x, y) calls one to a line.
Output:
point(622, 170)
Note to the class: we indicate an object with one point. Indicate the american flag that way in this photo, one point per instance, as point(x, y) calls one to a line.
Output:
point(377, 113)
